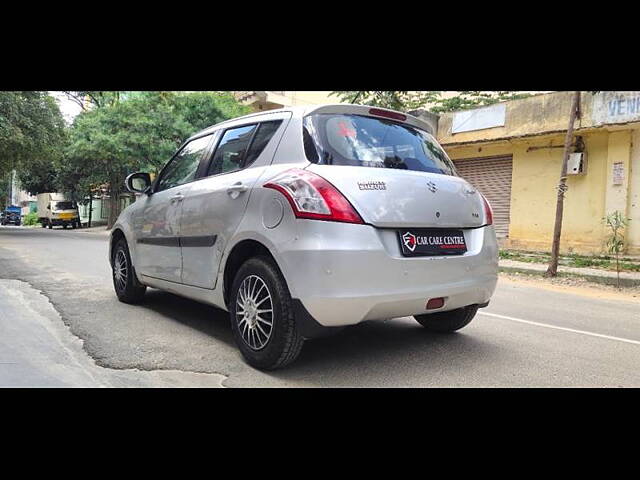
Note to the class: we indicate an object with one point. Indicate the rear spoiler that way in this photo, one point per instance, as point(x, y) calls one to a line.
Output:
point(401, 117)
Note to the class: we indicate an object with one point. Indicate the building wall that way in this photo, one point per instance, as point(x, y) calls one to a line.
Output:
point(633, 232)
point(311, 98)
point(533, 192)
point(610, 128)
point(536, 115)
point(96, 212)
point(269, 100)
point(100, 209)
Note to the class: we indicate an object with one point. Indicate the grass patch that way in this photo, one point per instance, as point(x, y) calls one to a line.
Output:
point(579, 261)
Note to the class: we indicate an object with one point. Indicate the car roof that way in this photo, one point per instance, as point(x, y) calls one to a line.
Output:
point(304, 110)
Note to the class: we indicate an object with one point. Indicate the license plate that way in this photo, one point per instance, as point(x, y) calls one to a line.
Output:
point(431, 242)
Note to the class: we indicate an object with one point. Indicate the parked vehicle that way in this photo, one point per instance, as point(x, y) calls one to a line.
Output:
point(12, 215)
point(304, 220)
point(55, 210)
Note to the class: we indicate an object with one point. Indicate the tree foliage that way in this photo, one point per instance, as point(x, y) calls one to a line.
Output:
point(4, 189)
point(433, 100)
point(142, 131)
point(139, 132)
point(88, 99)
point(31, 129)
point(39, 175)
point(616, 222)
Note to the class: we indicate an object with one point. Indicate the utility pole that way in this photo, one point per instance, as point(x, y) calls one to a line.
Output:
point(552, 271)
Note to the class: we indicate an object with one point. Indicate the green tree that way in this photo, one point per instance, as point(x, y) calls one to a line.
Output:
point(405, 100)
point(472, 99)
point(396, 100)
point(39, 175)
point(88, 99)
point(31, 129)
point(4, 189)
point(616, 222)
point(139, 132)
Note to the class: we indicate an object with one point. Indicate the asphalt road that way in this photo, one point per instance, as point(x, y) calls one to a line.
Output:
point(529, 336)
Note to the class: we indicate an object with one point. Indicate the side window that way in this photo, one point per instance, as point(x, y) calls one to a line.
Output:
point(231, 149)
point(184, 165)
point(265, 133)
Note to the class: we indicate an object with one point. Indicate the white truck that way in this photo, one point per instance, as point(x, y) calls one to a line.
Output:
point(54, 209)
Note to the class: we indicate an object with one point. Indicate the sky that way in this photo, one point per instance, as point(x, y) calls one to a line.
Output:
point(68, 107)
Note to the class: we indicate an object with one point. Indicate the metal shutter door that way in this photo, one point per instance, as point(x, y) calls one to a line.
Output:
point(492, 177)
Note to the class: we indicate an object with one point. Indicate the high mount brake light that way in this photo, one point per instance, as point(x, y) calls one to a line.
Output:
point(388, 114)
point(488, 211)
point(313, 197)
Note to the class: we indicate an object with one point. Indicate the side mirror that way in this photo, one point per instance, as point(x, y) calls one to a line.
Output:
point(138, 182)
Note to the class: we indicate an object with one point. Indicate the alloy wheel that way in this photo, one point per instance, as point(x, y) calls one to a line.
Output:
point(254, 312)
point(120, 270)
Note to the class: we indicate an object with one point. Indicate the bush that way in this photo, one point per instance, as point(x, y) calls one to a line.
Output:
point(30, 219)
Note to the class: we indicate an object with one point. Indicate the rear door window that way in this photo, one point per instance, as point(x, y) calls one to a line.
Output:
point(358, 140)
point(265, 133)
point(231, 150)
point(241, 146)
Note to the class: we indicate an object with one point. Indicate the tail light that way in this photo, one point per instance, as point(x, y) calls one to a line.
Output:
point(488, 211)
point(313, 197)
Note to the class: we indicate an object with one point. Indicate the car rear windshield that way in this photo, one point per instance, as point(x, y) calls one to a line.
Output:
point(358, 140)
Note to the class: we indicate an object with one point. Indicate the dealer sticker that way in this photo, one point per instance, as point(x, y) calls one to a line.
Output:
point(425, 242)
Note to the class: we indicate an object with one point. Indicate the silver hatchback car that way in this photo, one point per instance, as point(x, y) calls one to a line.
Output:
point(303, 220)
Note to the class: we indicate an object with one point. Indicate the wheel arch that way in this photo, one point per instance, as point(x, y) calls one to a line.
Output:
point(116, 235)
point(241, 252)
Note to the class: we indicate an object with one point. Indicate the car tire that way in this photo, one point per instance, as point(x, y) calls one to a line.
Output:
point(447, 322)
point(264, 346)
point(49, 225)
point(125, 283)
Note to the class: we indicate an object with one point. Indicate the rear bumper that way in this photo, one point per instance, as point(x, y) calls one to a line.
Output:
point(344, 274)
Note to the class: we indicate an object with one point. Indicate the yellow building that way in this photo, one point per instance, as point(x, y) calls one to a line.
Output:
point(513, 152)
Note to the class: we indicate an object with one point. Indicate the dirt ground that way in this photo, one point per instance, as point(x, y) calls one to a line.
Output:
point(577, 286)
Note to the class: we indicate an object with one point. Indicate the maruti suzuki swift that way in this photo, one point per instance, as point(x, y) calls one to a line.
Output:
point(304, 220)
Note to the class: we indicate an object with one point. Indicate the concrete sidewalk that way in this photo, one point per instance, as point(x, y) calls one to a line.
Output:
point(100, 230)
point(627, 279)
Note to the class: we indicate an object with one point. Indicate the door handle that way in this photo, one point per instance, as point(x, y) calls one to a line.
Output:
point(237, 188)
point(177, 198)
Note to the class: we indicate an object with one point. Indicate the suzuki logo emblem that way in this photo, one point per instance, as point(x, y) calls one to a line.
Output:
point(432, 186)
